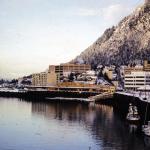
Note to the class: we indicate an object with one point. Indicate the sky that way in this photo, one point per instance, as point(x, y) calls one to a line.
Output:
point(37, 33)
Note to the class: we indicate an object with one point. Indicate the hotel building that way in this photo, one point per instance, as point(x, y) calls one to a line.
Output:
point(63, 69)
point(136, 80)
point(137, 77)
point(52, 77)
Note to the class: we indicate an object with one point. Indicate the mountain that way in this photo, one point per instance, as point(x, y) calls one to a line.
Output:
point(126, 43)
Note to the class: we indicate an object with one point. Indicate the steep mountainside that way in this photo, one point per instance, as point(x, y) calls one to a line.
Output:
point(126, 43)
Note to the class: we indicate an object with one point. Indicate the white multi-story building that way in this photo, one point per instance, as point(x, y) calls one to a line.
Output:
point(136, 80)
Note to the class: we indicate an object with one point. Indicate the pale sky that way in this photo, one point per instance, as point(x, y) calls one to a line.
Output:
point(37, 33)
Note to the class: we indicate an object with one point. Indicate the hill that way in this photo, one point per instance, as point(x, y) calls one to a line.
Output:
point(126, 43)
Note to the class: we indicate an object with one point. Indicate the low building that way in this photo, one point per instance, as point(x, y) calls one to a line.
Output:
point(82, 87)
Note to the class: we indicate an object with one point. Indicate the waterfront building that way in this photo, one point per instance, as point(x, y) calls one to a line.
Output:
point(136, 79)
point(44, 79)
point(138, 76)
point(63, 69)
point(54, 73)
point(78, 87)
point(39, 79)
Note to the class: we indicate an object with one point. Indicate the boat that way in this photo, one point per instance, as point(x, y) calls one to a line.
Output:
point(133, 116)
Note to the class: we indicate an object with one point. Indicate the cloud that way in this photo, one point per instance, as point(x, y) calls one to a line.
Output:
point(115, 12)
point(112, 13)
point(87, 12)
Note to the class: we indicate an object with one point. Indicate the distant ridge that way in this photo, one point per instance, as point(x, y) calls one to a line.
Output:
point(126, 43)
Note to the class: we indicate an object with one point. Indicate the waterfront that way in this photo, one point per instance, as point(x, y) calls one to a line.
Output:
point(64, 126)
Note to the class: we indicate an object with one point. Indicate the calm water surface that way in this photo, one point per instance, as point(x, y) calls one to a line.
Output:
point(60, 126)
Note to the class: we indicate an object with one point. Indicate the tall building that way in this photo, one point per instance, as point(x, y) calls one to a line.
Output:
point(138, 76)
point(52, 77)
point(62, 69)
point(136, 80)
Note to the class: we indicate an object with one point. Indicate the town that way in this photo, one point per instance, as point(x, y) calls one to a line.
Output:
point(74, 75)
point(81, 77)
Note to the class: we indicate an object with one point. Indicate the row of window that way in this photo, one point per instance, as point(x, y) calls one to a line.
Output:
point(134, 84)
point(134, 77)
point(137, 80)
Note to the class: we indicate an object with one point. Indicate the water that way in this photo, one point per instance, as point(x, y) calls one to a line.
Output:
point(61, 126)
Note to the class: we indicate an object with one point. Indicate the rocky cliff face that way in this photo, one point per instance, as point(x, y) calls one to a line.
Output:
point(123, 44)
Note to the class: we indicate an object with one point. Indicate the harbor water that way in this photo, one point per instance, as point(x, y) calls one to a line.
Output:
point(30, 125)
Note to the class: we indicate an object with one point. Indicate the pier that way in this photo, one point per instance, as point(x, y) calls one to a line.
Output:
point(61, 95)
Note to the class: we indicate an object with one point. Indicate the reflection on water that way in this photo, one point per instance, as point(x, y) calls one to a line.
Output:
point(64, 126)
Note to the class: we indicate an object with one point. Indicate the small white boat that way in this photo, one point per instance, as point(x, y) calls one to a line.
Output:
point(133, 116)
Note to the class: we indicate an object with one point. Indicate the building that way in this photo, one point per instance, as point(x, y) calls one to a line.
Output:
point(44, 79)
point(146, 66)
point(39, 79)
point(78, 87)
point(52, 77)
point(129, 70)
point(64, 69)
point(137, 79)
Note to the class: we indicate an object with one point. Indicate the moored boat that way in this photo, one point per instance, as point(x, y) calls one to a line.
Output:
point(133, 116)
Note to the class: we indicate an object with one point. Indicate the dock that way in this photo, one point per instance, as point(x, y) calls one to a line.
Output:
point(71, 99)
point(102, 96)
point(96, 98)
point(66, 95)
